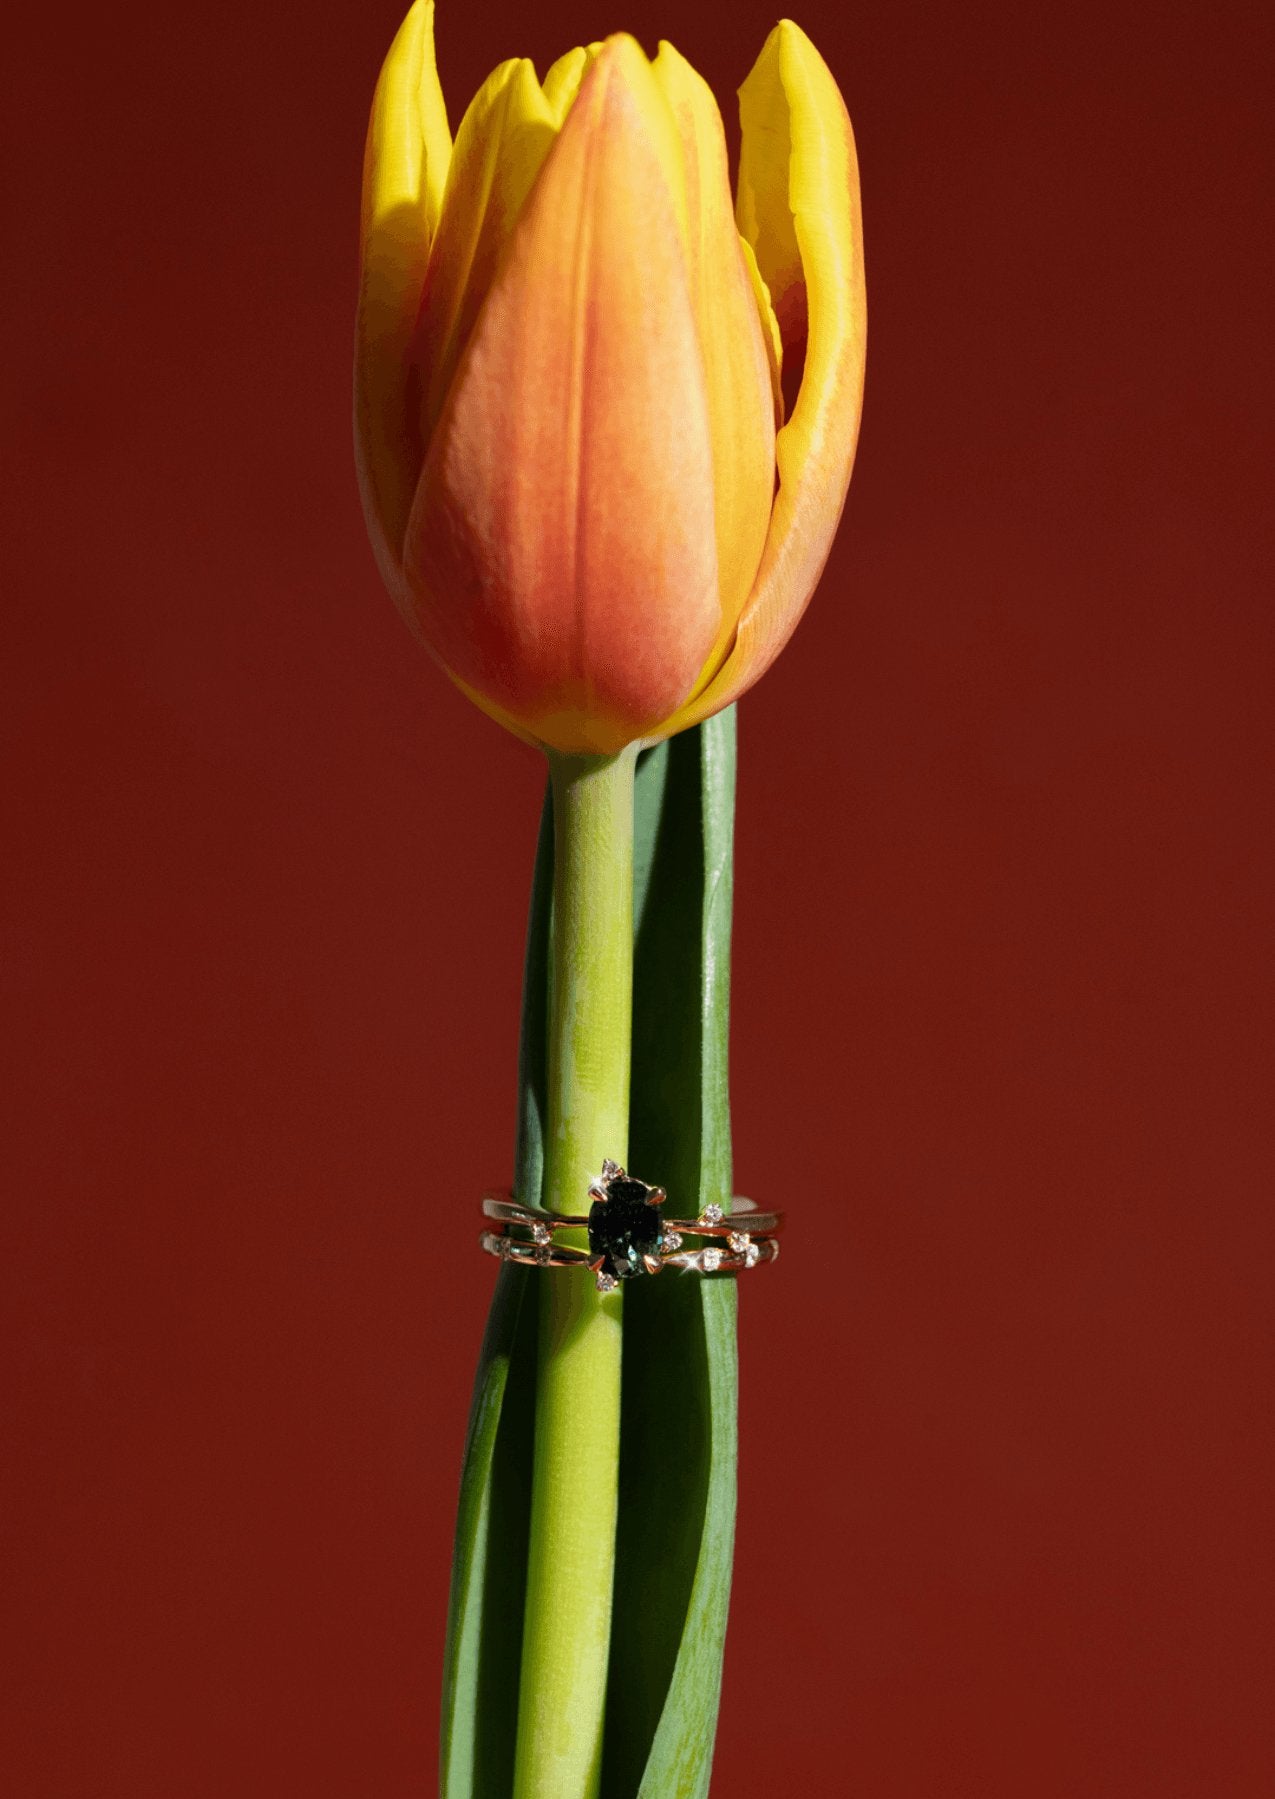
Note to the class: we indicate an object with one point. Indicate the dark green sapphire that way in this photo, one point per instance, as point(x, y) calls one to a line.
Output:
point(624, 1227)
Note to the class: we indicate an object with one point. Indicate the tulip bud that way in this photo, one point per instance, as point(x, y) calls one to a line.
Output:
point(574, 461)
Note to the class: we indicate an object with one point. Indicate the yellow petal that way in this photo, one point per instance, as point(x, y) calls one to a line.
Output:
point(503, 139)
point(561, 549)
point(799, 208)
point(562, 82)
point(769, 328)
point(737, 373)
point(404, 169)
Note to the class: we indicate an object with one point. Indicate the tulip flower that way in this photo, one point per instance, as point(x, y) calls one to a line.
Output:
point(604, 424)
point(583, 483)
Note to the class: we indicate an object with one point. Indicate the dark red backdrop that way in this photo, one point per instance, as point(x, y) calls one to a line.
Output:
point(998, 981)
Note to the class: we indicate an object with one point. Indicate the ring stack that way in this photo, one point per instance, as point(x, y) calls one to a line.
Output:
point(628, 1233)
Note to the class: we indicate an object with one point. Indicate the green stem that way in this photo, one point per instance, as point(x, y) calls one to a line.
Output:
point(570, 1566)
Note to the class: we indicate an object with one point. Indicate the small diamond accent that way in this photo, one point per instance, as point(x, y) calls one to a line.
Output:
point(672, 1242)
point(739, 1241)
point(710, 1260)
point(711, 1214)
point(544, 1255)
point(607, 1283)
point(540, 1233)
point(610, 1169)
point(752, 1255)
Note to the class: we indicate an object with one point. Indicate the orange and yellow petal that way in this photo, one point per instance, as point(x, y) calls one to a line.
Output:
point(562, 546)
point(799, 208)
point(736, 367)
point(502, 142)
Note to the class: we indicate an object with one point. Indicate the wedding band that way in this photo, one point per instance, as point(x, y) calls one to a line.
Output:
point(629, 1234)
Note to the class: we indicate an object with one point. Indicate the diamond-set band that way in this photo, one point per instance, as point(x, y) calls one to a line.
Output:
point(628, 1233)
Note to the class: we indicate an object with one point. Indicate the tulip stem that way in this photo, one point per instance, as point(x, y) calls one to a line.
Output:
point(567, 1622)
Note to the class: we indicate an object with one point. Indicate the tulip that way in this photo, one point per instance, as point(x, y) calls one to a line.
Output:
point(604, 426)
point(583, 484)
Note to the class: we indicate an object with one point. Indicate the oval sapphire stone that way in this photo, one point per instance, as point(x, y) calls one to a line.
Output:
point(624, 1227)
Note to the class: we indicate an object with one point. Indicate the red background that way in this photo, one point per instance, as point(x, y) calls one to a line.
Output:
point(999, 978)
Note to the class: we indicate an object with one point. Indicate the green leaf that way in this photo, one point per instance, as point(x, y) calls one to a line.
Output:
point(675, 1539)
point(489, 1558)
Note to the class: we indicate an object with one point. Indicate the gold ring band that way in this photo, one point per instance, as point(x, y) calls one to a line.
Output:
point(751, 1254)
point(629, 1234)
point(500, 1204)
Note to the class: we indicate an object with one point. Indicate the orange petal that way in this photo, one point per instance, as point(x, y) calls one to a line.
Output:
point(404, 169)
point(561, 546)
point(799, 208)
point(740, 397)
